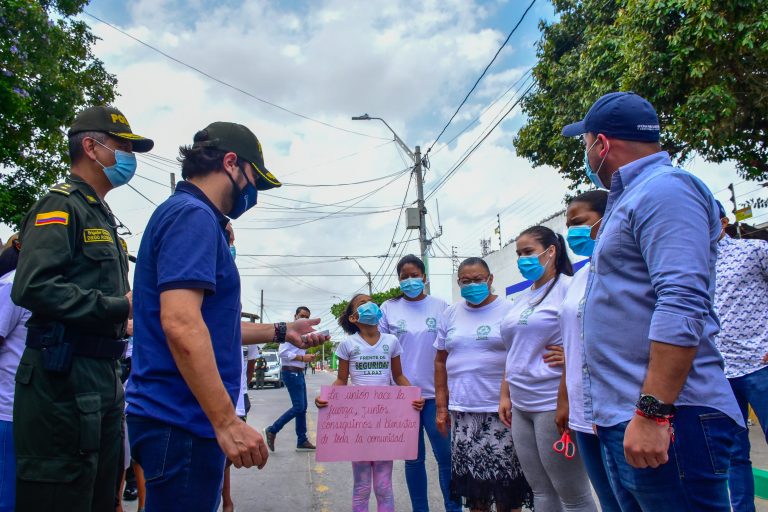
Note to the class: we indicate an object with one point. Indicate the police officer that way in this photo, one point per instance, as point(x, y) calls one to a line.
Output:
point(73, 277)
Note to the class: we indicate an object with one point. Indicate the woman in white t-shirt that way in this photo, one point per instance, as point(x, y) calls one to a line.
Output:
point(469, 368)
point(412, 317)
point(529, 391)
point(583, 220)
point(370, 358)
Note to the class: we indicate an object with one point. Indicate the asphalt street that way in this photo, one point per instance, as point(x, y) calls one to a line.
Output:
point(295, 481)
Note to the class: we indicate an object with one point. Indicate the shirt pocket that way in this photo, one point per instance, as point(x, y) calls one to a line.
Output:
point(103, 259)
point(610, 251)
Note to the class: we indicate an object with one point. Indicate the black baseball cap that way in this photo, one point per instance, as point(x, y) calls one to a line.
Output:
point(111, 121)
point(241, 141)
point(623, 115)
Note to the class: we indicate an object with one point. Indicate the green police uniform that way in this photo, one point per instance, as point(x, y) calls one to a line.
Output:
point(73, 277)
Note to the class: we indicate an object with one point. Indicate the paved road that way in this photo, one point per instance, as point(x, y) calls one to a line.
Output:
point(294, 481)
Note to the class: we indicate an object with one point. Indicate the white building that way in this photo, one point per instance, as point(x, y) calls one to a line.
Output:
point(507, 281)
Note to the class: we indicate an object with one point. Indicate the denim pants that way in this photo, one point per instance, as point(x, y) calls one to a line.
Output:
point(594, 461)
point(415, 470)
point(7, 468)
point(183, 471)
point(750, 389)
point(694, 479)
point(297, 389)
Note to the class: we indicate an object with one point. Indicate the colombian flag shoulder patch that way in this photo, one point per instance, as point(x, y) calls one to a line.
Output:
point(55, 217)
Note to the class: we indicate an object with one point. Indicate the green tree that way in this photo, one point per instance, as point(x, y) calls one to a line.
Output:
point(378, 298)
point(703, 64)
point(47, 73)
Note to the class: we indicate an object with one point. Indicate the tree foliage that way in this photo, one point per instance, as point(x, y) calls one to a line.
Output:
point(703, 64)
point(378, 298)
point(47, 73)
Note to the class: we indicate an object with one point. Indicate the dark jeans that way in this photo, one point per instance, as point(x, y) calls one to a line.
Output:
point(694, 479)
point(183, 471)
point(415, 470)
point(67, 431)
point(297, 389)
point(594, 461)
point(750, 389)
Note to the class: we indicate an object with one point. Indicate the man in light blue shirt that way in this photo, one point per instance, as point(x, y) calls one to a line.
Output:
point(653, 379)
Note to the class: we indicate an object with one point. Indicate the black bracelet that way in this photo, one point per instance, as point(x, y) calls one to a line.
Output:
point(280, 329)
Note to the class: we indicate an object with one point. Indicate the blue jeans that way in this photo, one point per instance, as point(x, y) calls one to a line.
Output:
point(696, 476)
point(297, 389)
point(415, 470)
point(594, 461)
point(183, 471)
point(7, 468)
point(750, 389)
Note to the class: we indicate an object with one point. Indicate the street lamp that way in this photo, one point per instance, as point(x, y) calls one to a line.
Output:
point(417, 170)
point(367, 274)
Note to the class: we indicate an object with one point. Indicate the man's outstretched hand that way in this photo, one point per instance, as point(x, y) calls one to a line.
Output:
point(302, 333)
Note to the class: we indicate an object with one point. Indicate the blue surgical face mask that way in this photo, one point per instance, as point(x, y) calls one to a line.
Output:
point(530, 267)
point(592, 175)
point(412, 287)
point(242, 200)
point(475, 293)
point(369, 313)
point(124, 168)
point(232, 251)
point(580, 239)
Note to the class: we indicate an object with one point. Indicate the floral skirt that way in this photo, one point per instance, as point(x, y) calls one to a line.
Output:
point(484, 465)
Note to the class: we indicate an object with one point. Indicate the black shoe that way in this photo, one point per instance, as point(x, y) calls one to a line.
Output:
point(306, 446)
point(270, 438)
point(131, 494)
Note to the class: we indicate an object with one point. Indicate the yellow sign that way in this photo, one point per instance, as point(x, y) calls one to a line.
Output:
point(91, 235)
point(743, 214)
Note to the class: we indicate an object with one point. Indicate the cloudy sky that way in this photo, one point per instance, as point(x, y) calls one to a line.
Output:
point(410, 63)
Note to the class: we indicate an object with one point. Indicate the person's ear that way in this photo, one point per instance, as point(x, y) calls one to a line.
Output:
point(605, 145)
point(490, 281)
point(89, 148)
point(229, 162)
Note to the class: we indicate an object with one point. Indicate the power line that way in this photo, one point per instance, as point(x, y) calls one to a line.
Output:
point(142, 195)
point(456, 167)
point(312, 185)
point(481, 76)
point(226, 84)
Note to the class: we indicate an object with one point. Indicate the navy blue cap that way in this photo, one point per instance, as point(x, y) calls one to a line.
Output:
point(722, 210)
point(623, 115)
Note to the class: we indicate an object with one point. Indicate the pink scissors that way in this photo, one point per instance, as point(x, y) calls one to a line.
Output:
point(565, 446)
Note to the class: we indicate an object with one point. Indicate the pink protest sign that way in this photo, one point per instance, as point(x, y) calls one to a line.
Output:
point(368, 423)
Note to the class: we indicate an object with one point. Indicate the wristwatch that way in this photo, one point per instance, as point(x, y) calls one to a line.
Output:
point(652, 407)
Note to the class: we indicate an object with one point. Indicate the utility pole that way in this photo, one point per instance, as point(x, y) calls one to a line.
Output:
point(735, 207)
point(418, 169)
point(498, 230)
point(454, 258)
point(173, 182)
point(422, 210)
point(365, 273)
point(261, 309)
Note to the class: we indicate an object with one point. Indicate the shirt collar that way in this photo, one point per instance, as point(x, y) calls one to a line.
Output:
point(633, 171)
point(186, 187)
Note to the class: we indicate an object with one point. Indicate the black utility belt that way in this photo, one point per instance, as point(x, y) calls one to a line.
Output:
point(293, 369)
point(85, 345)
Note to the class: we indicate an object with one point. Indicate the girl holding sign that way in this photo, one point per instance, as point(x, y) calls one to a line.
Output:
point(370, 358)
point(412, 317)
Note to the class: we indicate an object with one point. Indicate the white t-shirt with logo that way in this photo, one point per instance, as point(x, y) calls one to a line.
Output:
point(13, 328)
point(571, 312)
point(527, 330)
point(415, 325)
point(475, 364)
point(369, 365)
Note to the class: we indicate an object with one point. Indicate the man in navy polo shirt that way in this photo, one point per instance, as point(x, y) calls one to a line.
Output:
point(188, 337)
point(653, 378)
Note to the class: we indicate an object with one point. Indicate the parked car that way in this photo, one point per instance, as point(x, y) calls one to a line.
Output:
point(272, 375)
